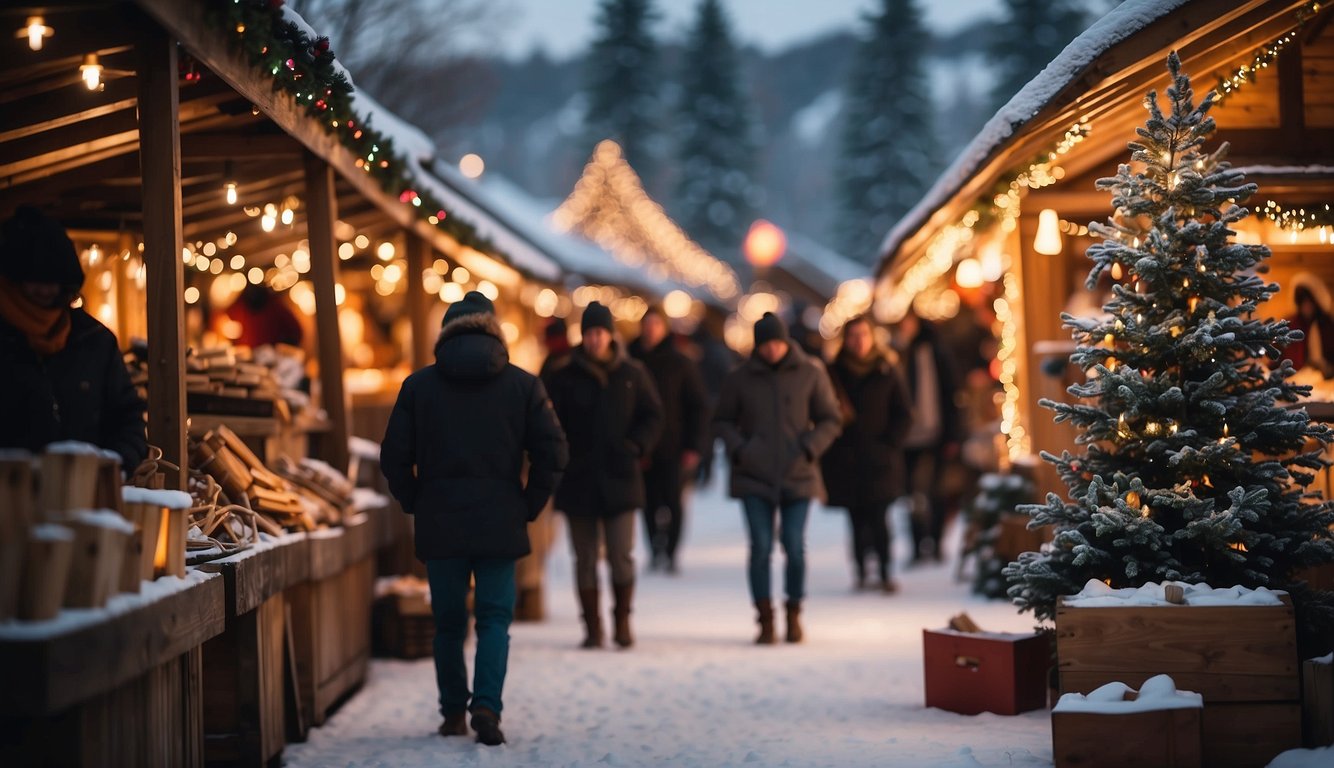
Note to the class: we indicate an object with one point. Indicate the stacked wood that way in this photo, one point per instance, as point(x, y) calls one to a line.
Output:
point(45, 571)
point(320, 480)
point(247, 482)
point(99, 549)
point(17, 491)
point(69, 478)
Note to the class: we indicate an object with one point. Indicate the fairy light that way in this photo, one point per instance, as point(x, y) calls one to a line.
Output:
point(1246, 73)
point(36, 31)
point(91, 72)
point(610, 207)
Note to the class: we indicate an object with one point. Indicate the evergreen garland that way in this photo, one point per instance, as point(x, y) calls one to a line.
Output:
point(1192, 469)
point(304, 68)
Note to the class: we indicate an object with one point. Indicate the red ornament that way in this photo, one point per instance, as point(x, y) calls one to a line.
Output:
point(322, 45)
point(275, 5)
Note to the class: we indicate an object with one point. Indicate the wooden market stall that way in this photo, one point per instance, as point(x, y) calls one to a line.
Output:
point(1031, 173)
point(194, 148)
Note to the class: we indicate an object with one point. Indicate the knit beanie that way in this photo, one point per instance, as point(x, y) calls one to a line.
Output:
point(35, 249)
point(596, 315)
point(472, 303)
point(770, 328)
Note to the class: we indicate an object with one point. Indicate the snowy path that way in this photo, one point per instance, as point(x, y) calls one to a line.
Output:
point(694, 692)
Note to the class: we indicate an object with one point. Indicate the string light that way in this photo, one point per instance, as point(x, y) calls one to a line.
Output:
point(91, 72)
point(36, 31)
point(610, 207)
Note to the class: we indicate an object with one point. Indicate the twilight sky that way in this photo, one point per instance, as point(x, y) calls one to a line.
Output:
point(564, 27)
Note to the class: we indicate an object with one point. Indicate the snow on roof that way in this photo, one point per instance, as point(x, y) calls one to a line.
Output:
point(1120, 23)
point(531, 217)
point(1286, 170)
point(818, 266)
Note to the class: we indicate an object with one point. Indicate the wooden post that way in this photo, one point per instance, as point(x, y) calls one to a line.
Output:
point(419, 253)
point(160, 167)
point(322, 211)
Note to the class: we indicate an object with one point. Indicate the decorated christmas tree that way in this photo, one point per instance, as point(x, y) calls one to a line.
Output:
point(1196, 465)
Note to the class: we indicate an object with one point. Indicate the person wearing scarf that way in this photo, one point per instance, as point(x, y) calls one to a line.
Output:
point(64, 377)
point(863, 469)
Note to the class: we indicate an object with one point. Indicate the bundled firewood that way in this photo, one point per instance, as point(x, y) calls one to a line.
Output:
point(247, 482)
point(267, 375)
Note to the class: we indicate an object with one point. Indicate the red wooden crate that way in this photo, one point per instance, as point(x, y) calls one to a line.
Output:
point(970, 673)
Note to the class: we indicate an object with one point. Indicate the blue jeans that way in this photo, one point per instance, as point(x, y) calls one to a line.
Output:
point(493, 609)
point(760, 519)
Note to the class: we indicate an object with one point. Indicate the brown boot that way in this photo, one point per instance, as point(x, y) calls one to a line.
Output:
point(588, 601)
point(529, 605)
point(766, 620)
point(794, 633)
point(625, 594)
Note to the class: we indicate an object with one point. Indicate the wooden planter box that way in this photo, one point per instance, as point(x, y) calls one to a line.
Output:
point(1318, 703)
point(1169, 738)
point(331, 616)
point(117, 690)
point(1242, 659)
point(246, 670)
point(404, 627)
point(970, 673)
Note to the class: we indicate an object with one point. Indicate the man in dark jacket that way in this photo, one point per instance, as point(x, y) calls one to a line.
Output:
point(64, 377)
point(863, 469)
point(612, 415)
point(776, 415)
point(685, 434)
point(453, 455)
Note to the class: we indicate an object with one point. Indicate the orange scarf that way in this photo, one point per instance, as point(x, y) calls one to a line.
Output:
point(47, 328)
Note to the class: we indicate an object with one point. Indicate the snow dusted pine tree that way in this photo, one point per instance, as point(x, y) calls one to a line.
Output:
point(1192, 470)
point(1029, 35)
point(715, 196)
point(622, 82)
point(888, 153)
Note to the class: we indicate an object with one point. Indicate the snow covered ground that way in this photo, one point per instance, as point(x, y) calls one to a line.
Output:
point(694, 691)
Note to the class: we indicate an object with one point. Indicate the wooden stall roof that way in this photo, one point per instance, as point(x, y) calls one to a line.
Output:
point(77, 150)
point(1101, 78)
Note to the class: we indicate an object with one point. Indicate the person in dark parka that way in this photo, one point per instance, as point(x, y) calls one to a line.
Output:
point(685, 434)
point(612, 415)
point(64, 377)
point(453, 455)
point(863, 469)
point(776, 415)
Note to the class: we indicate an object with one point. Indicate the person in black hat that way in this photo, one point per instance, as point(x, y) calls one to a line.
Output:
point(776, 415)
point(612, 415)
point(64, 375)
point(685, 434)
point(453, 454)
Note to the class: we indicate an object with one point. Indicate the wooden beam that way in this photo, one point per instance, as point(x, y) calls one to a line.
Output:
point(419, 255)
point(321, 213)
point(1291, 104)
point(65, 106)
point(159, 107)
point(239, 147)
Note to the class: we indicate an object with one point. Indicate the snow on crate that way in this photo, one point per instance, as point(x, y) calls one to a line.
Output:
point(1157, 693)
point(169, 499)
point(1322, 757)
point(103, 518)
point(73, 619)
point(1096, 594)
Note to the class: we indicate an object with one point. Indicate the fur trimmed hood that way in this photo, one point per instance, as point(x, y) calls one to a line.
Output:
point(471, 347)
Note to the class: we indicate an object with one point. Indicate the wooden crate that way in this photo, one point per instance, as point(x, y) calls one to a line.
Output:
point(331, 617)
point(126, 690)
point(1170, 738)
point(1242, 659)
point(403, 627)
point(1318, 703)
point(970, 673)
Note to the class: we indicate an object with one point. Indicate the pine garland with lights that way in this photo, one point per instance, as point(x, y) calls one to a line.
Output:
point(1192, 469)
point(304, 67)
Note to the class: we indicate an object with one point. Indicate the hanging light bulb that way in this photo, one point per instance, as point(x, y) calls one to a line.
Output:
point(91, 71)
point(230, 188)
point(1048, 240)
point(286, 217)
point(36, 31)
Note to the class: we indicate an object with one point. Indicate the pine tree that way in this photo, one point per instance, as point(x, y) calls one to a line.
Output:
point(622, 82)
point(1030, 34)
point(1192, 468)
point(888, 156)
point(715, 195)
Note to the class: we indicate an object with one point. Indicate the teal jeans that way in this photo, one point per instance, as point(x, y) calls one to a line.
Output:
point(493, 607)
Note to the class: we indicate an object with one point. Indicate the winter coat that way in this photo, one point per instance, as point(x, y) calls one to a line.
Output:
point(775, 422)
point(612, 416)
point(864, 466)
point(83, 392)
point(950, 420)
point(685, 408)
point(454, 448)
